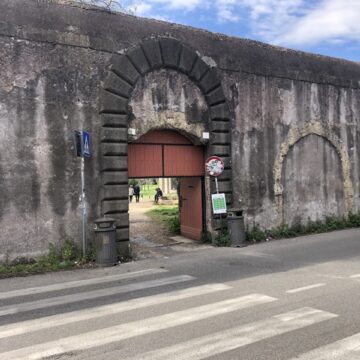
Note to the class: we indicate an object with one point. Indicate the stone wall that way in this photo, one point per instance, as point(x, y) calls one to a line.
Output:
point(292, 118)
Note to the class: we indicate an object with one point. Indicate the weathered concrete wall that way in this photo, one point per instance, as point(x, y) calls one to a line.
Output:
point(285, 107)
point(46, 91)
point(167, 98)
point(272, 115)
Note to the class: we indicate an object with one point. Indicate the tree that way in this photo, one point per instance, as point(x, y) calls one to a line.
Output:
point(111, 5)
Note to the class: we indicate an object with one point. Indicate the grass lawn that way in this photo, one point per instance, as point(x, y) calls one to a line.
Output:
point(148, 191)
point(169, 214)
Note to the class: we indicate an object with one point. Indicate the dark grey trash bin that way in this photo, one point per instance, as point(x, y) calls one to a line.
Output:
point(105, 241)
point(236, 227)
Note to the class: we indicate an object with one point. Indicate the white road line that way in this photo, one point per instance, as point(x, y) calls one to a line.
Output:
point(77, 283)
point(304, 288)
point(234, 338)
point(72, 298)
point(87, 314)
point(355, 276)
point(348, 348)
point(125, 331)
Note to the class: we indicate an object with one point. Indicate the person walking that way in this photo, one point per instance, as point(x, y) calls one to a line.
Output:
point(131, 193)
point(158, 195)
point(137, 192)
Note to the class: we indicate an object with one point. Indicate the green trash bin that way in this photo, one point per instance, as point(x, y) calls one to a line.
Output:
point(236, 227)
point(105, 241)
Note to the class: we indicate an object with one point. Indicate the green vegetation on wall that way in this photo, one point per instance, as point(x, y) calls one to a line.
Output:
point(330, 223)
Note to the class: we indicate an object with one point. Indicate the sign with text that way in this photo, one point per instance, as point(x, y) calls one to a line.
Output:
point(218, 203)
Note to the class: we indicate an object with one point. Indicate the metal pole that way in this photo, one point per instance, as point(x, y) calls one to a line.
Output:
point(83, 203)
point(217, 186)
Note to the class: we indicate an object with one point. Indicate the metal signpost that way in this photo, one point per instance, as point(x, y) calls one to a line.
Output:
point(82, 146)
point(214, 167)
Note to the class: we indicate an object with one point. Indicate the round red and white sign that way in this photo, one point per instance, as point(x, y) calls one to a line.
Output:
point(214, 166)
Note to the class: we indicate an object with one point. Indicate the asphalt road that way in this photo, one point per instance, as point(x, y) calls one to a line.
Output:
point(287, 299)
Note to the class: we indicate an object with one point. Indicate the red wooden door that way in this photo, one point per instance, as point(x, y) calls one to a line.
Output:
point(183, 160)
point(164, 153)
point(191, 216)
point(145, 160)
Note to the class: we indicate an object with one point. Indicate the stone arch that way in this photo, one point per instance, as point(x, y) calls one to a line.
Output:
point(293, 137)
point(124, 72)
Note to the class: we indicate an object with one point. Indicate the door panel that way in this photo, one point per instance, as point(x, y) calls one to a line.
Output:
point(183, 160)
point(145, 160)
point(191, 217)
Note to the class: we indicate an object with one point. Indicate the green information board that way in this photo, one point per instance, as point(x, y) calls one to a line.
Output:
point(218, 203)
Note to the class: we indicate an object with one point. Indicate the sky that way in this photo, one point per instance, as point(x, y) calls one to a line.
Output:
point(327, 27)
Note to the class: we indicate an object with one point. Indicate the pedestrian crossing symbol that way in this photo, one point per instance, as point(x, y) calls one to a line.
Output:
point(86, 144)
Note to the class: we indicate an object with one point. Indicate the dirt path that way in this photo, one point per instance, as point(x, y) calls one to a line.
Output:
point(151, 239)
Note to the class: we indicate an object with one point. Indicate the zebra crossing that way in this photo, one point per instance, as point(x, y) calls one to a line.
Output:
point(48, 343)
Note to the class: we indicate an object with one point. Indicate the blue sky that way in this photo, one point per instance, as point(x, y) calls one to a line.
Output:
point(328, 27)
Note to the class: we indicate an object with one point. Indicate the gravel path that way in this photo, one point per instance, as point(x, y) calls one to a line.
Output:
point(151, 239)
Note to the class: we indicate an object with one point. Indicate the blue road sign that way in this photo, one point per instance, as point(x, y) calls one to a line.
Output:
point(86, 144)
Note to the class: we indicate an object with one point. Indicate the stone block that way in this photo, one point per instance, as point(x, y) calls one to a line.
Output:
point(112, 103)
point(114, 192)
point(113, 163)
point(113, 135)
point(216, 96)
point(122, 219)
point(227, 161)
point(123, 247)
point(187, 59)
point(114, 120)
point(170, 52)
point(122, 234)
point(220, 111)
point(218, 125)
point(210, 81)
point(220, 138)
point(225, 186)
point(199, 69)
point(122, 66)
point(228, 199)
point(220, 150)
point(139, 60)
point(113, 149)
point(226, 175)
point(153, 54)
point(118, 85)
point(114, 177)
point(219, 223)
point(112, 207)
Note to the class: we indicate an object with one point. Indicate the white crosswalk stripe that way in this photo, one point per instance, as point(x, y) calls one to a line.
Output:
point(240, 336)
point(77, 283)
point(99, 326)
point(344, 349)
point(128, 330)
point(75, 316)
point(68, 299)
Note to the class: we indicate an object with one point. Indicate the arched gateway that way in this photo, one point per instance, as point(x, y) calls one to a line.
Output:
point(124, 73)
point(166, 153)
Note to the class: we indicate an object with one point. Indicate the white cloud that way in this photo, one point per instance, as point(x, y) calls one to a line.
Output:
point(333, 21)
point(140, 8)
point(186, 5)
point(303, 22)
point(281, 22)
point(226, 11)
